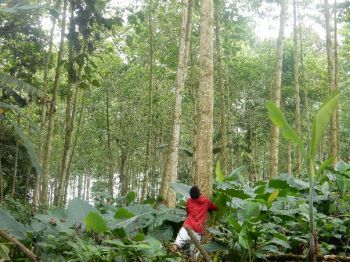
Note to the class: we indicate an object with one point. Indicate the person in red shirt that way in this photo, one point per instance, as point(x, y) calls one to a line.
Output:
point(197, 208)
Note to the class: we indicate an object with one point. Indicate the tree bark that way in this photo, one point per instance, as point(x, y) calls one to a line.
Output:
point(43, 112)
point(170, 169)
point(204, 138)
point(47, 152)
point(331, 81)
point(223, 125)
point(277, 91)
point(297, 88)
point(109, 147)
point(14, 176)
point(289, 164)
point(150, 104)
point(336, 75)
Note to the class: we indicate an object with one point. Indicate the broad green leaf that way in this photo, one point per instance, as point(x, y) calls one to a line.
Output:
point(99, 5)
point(273, 196)
point(123, 213)
point(10, 224)
point(214, 247)
point(183, 189)
point(324, 165)
point(321, 121)
point(219, 174)
point(95, 222)
point(130, 197)
point(78, 209)
point(4, 252)
point(29, 147)
point(277, 117)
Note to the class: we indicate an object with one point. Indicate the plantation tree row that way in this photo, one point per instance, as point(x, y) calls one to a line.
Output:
point(99, 98)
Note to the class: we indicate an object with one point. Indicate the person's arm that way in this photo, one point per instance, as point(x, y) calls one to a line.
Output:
point(212, 206)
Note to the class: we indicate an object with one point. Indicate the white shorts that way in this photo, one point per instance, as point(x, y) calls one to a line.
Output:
point(183, 237)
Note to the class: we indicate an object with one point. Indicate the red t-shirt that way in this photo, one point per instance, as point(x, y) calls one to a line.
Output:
point(197, 213)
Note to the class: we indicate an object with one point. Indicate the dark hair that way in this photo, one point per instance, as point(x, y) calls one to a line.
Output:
point(195, 192)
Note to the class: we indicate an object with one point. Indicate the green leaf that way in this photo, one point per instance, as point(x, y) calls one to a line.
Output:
point(78, 209)
point(95, 222)
point(183, 189)
point(320, 122)
point(324, 165)
point(10, 224)
point(4, 252)
point(99, 5)
point(29, 147)
point(20, 85)
point(277, 117)
point(123, 213)
point(130, 197)
point(214, 247)
point(219, 174)
point(273, 196)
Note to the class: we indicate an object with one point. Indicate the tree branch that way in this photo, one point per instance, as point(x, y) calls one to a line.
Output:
point(13, 240)
point(198, 245)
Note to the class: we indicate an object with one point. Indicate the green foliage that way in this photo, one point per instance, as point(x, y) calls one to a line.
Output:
point(95, 222)
point(4, 252)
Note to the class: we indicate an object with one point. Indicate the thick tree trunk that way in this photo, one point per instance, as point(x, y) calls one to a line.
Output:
point(297, 88)
point(109, 147)
point(170, 170)
point(331, 81)
point(220, 81)
point(150, 104)
point(204, 139)
point(277, 91)
point(47, 151)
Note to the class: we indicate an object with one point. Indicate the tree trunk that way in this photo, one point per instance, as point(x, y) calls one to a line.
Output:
point(47, 152)
point(109, 147)
point(87, 195)
point(70, 111)
point(14, 176)
point(220, 76)
point(289, 152)
point(170, 170)
point(297, 88)
point(1, 179)
point(277, 91)
point(150, 107)
point(331, 82)
point(336, 75)
point(36, 190)
point(204, 143)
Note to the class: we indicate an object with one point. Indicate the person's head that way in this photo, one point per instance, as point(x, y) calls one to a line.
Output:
point(195, 192)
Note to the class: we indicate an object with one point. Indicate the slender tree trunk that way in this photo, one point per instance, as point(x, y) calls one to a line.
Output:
point(170, 170)
point(204, 143)
point(47, 152)
point(336, 74)
point(87, 195)
point(150, 104)
point(36, 190)
point(70, 111)
point(14, 176)
point(331, 81)
point(1, 179)
point(109, 147)
point(297, 88)
point(289, 153)
point(223, 125)
point(277, 91)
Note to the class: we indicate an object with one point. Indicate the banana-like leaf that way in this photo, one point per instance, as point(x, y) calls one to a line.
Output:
point(219, 174)
point(277, 117)
point(20, 85)
point(29, 146)
point(324, 165)
point(320, 122)
point(18, 111)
